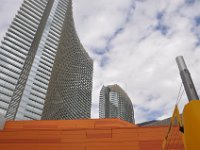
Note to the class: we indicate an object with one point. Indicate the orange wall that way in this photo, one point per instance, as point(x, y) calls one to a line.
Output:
point(101, 134)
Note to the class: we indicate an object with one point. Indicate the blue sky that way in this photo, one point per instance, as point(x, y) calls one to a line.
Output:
point(134, 43)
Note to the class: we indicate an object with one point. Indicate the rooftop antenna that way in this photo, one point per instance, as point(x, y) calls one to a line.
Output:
point(186, 79)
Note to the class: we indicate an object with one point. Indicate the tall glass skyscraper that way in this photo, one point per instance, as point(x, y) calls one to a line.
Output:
point(115, 103)
point(69, 92)
point(27, 55)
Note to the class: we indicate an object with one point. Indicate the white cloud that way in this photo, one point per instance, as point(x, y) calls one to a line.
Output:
point(142, 59)
point(8, 9)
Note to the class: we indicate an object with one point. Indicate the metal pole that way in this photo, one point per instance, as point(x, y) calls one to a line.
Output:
point(186, 79)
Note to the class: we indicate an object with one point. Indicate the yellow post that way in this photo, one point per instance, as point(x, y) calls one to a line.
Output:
point(191, 121)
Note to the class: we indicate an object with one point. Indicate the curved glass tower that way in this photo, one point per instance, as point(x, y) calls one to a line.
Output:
point(69, 92)
point(27, 56)
point(115, 103)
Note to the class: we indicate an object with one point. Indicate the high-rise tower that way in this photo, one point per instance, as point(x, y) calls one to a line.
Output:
point(27, 55)
point(115, 103)
point(69, 92)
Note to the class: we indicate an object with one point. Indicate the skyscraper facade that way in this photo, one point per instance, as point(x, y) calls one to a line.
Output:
point(115, 103)
point(69, 92)
point(27, 55)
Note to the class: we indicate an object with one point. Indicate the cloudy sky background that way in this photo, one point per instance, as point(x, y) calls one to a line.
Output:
point(134, 44)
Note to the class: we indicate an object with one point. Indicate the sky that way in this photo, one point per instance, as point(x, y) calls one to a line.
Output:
point(134, 44)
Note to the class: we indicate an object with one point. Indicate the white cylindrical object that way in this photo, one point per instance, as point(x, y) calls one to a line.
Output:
point(181, 63)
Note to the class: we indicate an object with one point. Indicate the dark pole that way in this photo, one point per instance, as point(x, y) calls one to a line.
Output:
point(186, 79)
